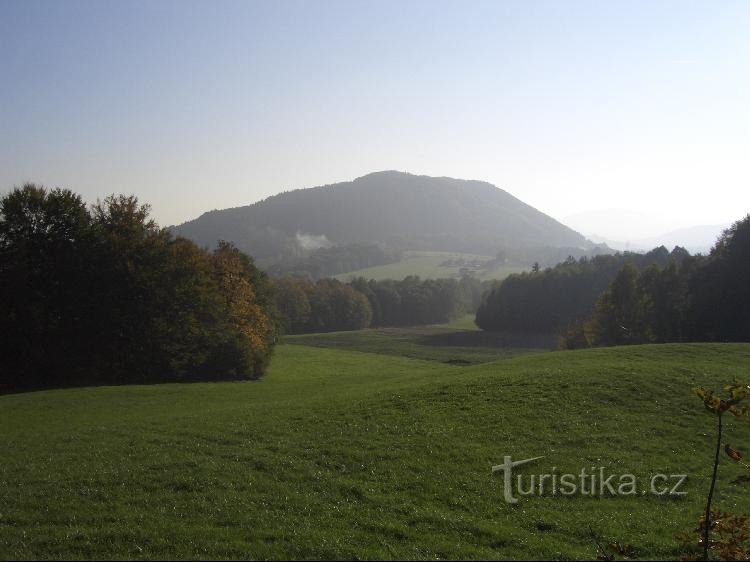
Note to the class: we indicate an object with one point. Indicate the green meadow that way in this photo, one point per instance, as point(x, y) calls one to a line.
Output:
point(432, 265)
point(343, 453)
point(454, 343)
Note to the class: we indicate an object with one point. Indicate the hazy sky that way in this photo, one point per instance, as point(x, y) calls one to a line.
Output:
point(570, 106)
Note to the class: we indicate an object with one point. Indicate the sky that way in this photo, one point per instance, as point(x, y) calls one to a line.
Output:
point(570, 106)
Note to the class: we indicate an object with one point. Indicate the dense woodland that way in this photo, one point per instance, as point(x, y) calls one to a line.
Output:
point(659, 296)
point(328, 262)
point(550, 299)
point(328, 305)
point(695, 299)
point(102, 295)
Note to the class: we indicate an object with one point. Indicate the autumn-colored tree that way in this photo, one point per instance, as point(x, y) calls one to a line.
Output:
point(106, 296)
point(724, 533)
point(246, 292)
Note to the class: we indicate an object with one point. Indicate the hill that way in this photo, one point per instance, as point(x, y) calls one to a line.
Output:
point(344, 454)
point(392, 209)
point(436, 265)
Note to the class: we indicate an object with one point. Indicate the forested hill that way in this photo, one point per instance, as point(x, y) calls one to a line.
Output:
point(397, 209)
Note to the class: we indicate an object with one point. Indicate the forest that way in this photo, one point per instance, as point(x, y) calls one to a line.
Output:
point(102, 295)
point(328, 305)
point(330, 261)
point(656, 297)
point(549, 299)
point(687, 300)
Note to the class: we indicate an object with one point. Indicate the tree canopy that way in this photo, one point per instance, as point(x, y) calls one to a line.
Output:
point(102, 295)
point(548, 300)
point(688, 299)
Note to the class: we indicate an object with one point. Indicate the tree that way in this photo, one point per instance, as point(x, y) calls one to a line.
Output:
point(720, 289)
point(551, 300)
point(618, 313)
point(663, 300)
point(45, 239)
point(292, 304)
point(733, 530)
point(105, 296)
point(247, 294)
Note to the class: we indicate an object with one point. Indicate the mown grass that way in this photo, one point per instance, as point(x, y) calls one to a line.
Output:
point(448, 343)
point(345, 454)
point(463, 322)
point(429, 265)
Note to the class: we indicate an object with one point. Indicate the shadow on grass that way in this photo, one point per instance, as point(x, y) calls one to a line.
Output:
point(455, 347)
point(497, 340)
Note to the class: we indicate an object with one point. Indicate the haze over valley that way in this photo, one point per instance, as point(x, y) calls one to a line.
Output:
point(374, 280)
point(391, 212)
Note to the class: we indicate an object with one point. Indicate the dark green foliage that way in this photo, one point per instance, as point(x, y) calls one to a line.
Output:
point(576, 335)
point(646, 307)
point(688, 299)
point(45, 240)
point(328, 262)
point(555, 298)
point(414, 301)
point(618, 315)
point(720, 290)
point(107, 297)
point(336, 306)
point(293, 304)
point(328, 305)
point(664, 299)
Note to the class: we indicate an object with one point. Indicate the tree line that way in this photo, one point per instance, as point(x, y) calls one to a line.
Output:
point(659, 296)
point(697, 299)
point(549, 300)
point(103, 295)
point(326, 262)
point(328, 305)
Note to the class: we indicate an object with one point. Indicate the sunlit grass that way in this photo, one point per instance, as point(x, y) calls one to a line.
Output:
point(345, 454)
point(464, 322)
point(429, 265)
point(442, 342)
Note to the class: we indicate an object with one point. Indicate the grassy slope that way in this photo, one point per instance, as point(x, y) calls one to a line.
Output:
point(465, 322)
point(428, 266)
point(435, 343)
point(344, 454)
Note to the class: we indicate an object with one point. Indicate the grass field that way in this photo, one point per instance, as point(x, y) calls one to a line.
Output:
point(428, 265)
point(456, 343)
point(346, 454)
point(465, 322)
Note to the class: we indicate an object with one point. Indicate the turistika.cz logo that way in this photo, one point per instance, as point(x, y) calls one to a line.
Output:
point(589, 481)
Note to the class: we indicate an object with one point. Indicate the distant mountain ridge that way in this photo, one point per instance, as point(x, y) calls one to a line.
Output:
point(395, 209)
point(695, 239)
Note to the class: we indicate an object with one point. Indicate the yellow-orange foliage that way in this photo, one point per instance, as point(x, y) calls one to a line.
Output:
point(246, 313)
